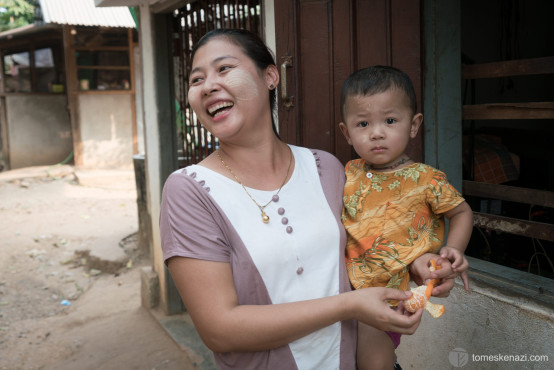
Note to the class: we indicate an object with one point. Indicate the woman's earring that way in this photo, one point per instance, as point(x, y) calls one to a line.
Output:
point(271, 87)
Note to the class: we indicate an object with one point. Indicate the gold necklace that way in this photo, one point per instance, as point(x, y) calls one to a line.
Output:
point(265, 217)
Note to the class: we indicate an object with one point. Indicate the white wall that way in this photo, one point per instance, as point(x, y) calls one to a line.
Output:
point(106, 131)
point(152, 145)
point(39, 130)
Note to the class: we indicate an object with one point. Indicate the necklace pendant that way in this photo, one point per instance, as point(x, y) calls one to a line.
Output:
point(265, 218)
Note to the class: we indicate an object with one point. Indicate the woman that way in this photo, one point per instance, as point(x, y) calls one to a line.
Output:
point(252, 234)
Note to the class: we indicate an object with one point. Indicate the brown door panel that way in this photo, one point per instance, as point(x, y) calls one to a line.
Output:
point(323, 42)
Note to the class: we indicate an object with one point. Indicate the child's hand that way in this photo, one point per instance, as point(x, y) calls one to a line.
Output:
point(459, 264)
point(457, 259)
point(420, 274)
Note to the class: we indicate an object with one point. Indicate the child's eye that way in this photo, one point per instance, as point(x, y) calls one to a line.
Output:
point(363, 124)
point(390, 121)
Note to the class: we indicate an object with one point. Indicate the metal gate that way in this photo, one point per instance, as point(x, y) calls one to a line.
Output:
point(189, 24)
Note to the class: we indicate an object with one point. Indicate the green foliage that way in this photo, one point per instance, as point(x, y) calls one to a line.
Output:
point(16, 13)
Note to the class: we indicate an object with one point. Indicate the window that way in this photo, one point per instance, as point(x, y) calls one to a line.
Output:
point(17, 72)
point(508, 111)
point(45, 69)
point(33, 71)
point(103, 70)
point(102, 59)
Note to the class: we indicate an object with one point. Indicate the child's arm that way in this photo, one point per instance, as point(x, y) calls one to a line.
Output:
point(451, 257)
point(459, 233)
point(459, 230)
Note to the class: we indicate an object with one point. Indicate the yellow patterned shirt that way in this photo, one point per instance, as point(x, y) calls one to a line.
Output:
point(392, 218)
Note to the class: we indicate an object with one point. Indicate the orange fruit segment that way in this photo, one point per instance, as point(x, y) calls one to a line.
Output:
point(417, 300)
point(436, 310)
point(421, 294)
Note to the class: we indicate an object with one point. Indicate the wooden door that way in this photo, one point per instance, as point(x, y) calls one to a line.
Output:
point(320, 42)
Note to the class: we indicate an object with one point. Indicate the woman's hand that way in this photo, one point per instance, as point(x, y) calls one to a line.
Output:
point(374, 310)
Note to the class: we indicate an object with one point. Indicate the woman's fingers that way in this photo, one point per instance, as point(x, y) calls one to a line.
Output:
point(405, 324)
point(401, 321)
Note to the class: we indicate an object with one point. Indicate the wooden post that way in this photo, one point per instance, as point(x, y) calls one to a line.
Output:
point(72, 86)
point(4, 118)
point(4, 130)
point(132, 87)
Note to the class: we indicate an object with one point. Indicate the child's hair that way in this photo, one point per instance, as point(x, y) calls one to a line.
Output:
point(374, 80)
point(253, 46)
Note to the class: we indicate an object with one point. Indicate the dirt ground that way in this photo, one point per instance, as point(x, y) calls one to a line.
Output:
point(57, 313)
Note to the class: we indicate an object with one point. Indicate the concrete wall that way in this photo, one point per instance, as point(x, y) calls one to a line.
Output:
point(152, 147)
point(39, 130)
point(106, 131)
point(496, 318)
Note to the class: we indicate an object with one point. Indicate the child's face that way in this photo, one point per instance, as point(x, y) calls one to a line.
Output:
point(380, 126)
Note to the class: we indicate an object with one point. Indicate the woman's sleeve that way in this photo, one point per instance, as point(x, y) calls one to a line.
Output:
point(333, 177)
point(190, 221)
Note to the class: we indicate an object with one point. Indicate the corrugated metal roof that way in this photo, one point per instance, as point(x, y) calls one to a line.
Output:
point(85, 13)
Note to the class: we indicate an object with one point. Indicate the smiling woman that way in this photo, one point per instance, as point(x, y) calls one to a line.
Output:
point(237, 71)
point(229, 82)
point(272, 291)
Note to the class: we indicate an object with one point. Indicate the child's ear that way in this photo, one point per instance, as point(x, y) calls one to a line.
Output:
point(344, 131)
point(416, 124)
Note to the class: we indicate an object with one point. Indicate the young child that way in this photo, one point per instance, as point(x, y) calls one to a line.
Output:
point(394, 208)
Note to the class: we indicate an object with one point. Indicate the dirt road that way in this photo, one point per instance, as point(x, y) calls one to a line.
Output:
point(57, 313)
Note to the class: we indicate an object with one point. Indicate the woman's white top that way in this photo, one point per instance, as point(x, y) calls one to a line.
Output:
point(298, 255)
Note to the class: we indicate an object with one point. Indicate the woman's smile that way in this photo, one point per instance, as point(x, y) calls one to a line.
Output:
point(219, 108)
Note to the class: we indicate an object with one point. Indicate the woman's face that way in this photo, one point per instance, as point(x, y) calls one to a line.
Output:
point(227, 91)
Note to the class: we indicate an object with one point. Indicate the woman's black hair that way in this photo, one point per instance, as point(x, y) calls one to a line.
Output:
point(253, 46)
